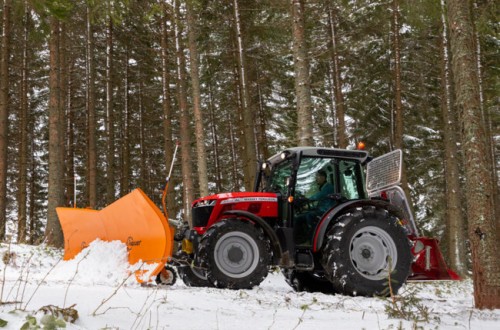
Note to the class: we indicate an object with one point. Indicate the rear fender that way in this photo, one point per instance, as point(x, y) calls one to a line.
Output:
point(332, 215)
point(268, 230)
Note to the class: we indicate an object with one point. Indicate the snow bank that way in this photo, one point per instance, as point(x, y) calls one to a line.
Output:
point(101, 263)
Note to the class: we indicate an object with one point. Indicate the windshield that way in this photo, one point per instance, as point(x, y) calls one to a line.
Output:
point(345, 175)
point(277, 180)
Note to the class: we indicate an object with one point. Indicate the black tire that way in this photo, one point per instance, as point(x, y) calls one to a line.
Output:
point(307, 281)
point(192, 276)
point(167, 276)
point(235, 254)
point(358, 250)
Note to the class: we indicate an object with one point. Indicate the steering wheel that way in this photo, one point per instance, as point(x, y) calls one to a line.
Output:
point(301, 203)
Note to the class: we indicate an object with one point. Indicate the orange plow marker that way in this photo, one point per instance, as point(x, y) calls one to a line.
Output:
point(133, 219)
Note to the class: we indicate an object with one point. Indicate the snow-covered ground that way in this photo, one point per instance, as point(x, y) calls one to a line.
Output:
point(98, 287)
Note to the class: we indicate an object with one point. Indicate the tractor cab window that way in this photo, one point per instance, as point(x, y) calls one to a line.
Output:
point(307, 184)
point(278, 180)
point(351, 180)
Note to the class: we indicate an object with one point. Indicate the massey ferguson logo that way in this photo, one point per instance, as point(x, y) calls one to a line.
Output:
point(249, 199)
point(131, 243)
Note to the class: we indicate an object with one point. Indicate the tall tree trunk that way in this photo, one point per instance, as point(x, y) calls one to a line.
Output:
point(337, 81)
point(302, 80)
point(263, 118)
point(125, 168)
point(239, 155)
point(167, 109)
point(143, 170)
point(235, 186)
point(63, 99)
point(33, 189)
point(455, 222)
point(480, 214)
point(333, 106)
point(22, 197)
point(4, 114)
point(486, 115)
point(250, 150)
point(91, 113)
point(215, 140)
point(201, 153)
point(53, 232)
point(185, 145)
point(398, 104)
point(70, 140)
point(110, 120)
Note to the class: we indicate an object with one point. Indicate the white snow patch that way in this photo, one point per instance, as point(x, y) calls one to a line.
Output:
point(106, 296)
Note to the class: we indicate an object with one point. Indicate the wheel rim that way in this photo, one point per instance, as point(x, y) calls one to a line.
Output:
point(166, 277)
point(236, 254)
point(372, 250)
point(199, 273)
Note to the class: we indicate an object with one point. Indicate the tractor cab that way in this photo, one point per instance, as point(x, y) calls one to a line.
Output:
point(309, 183)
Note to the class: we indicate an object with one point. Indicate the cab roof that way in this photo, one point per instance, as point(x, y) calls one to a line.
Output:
point(360, 155)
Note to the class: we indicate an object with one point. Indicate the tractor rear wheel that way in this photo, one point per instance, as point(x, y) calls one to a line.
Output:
point(235, 254)
point(360, 249)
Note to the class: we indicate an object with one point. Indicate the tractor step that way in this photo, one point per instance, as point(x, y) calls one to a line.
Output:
point(304, 260)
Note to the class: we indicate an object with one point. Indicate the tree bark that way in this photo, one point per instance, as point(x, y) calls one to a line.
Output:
point(234, 165)
point(250, 150)
point(337, 81)
point(215, 140)
point(167, 109)
point(110, 121)
point(91, 113)
point(143, 169)
point(4, 114)
point(125, 131)
point(302, 80)
point(53, 232)
point(398, 137)
point(70, 142)
point(22, 197)
point(263, 142)
point(486, 115)
point(398, 106)
point(237, 131)
point(201, 153)
point(480, 214)
point(185, 145)
point(455, 222)
point(63, 109)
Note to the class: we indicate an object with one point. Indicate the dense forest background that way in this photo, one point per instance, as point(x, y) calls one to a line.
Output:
point(108, 88)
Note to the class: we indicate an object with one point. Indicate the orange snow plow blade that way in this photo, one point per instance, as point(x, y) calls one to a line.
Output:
point(133, 219)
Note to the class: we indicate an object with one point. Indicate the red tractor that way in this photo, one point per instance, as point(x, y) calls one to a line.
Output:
point(316, 215)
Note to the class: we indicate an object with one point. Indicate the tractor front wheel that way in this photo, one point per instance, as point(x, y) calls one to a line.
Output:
point(367, 253)
point(193, 276)
point(235, 254)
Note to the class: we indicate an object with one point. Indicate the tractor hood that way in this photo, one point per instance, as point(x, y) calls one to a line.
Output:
point(210, 209)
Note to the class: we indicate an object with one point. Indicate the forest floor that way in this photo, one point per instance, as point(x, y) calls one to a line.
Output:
point(97, 290)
